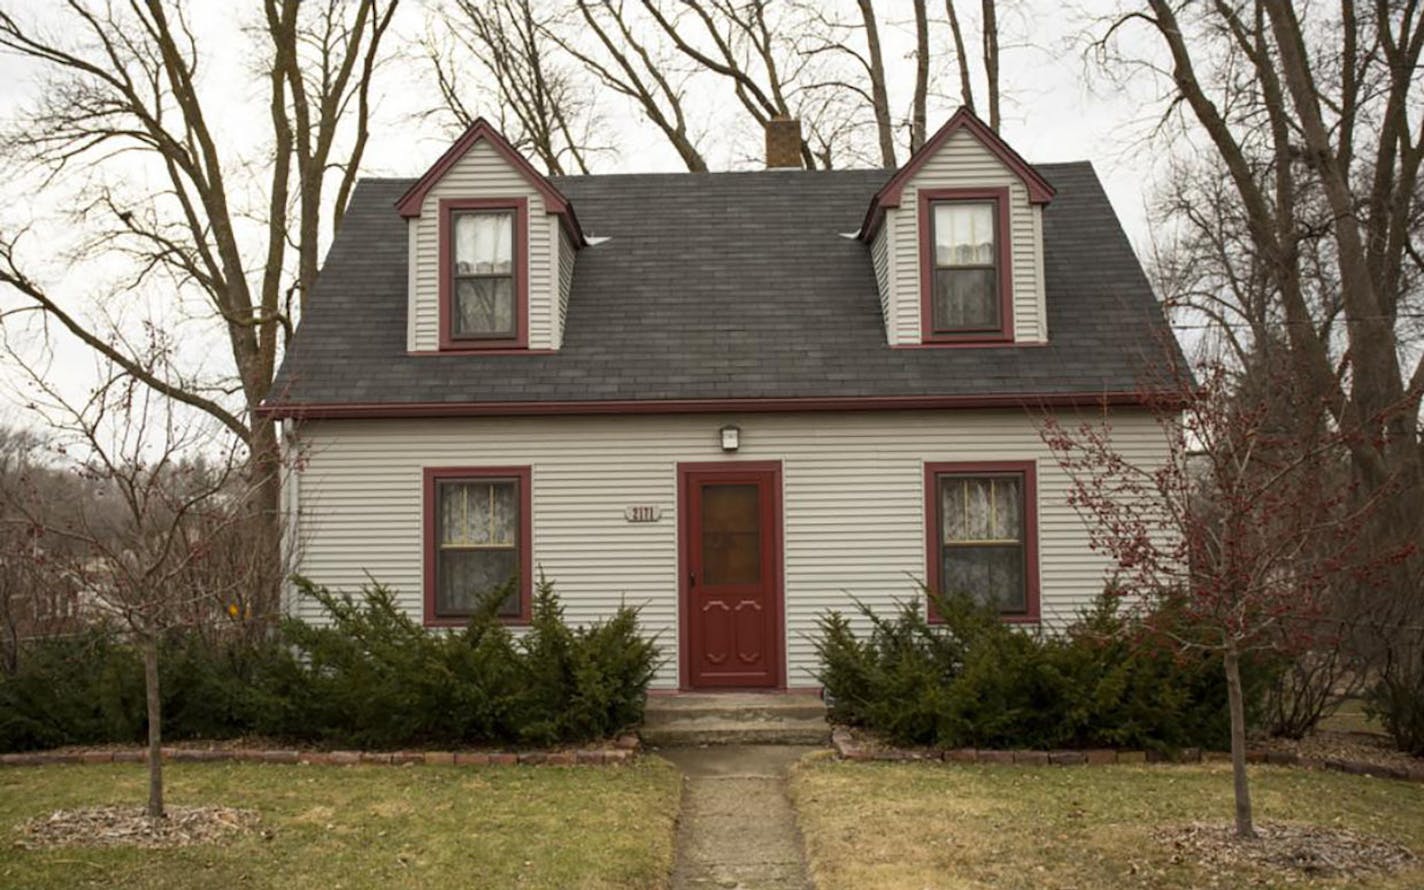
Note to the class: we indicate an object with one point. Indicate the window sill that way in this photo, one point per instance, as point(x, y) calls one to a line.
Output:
point(985, 338)
point(521, 621)
point(482, 350)
point(932, 618)
point(971, 344)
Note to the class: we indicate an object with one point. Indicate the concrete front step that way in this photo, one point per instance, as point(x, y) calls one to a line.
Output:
point(731, 706)
point(735, 718)
point(737, 732)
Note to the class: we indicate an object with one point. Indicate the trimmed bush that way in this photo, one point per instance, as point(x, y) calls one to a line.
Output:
point(373, 677)
point(369, 676)
point(974, 681)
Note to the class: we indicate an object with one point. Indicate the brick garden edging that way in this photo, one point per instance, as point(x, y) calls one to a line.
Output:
point(622, 750)
point(848, 748)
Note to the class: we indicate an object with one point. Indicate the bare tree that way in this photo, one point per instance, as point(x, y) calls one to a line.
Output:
point(966, 83)
point(521, 75)
point(1232, 544)
point(879, 98)
point(918, 113)
point(160, 495)
point(630, 66)
point(124, 87)
point(1311, 116)
point(990, 30)
point(761, 48)
point(33, 601)
point(854, 74)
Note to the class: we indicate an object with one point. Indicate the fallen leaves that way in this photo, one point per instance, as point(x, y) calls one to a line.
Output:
point(118, 826)
point(1313, 850)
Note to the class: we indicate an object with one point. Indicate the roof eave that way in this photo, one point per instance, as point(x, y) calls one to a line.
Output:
point(1022, 400)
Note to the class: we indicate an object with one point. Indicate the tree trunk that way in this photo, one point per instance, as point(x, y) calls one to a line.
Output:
point(1244, 826)
point(922, 76)
point(155, 726)
point(265, 505)
point(991, 61)
point(966, 85)
point(879, 95)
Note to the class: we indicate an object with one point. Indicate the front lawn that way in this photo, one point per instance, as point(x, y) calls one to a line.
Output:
point(884, 825)
point(355, 827)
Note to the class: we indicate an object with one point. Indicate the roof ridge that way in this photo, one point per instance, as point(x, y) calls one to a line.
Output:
point(711, 174)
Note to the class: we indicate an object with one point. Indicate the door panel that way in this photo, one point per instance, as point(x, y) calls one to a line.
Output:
point(730, 529)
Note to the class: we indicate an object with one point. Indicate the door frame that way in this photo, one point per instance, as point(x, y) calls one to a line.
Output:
point(776, 604)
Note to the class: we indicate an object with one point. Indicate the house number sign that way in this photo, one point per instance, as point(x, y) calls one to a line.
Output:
point(643, 513)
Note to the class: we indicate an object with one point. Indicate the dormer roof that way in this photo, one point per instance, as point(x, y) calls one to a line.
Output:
point(411, 202)
point(1039, 189)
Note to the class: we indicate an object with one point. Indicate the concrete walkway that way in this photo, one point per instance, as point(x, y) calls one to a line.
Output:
point(737, 830)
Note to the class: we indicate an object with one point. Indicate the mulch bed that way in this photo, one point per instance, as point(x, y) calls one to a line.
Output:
point(127, 826)
point(1311, 850)
point(1361, 754)
point(853, 743)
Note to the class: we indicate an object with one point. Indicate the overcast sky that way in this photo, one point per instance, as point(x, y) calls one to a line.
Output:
point(1055, 109)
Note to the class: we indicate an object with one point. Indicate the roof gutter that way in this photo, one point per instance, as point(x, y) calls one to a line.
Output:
point(1026, 401)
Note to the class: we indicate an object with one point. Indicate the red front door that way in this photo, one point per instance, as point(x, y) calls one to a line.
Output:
point(730, 529)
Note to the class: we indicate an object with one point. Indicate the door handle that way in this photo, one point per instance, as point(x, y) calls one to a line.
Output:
point(691, 579)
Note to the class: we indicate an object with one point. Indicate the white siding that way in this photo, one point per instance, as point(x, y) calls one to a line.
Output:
point(853, 504)
point(566, 283)
point(962, 162)
point(482, 173)
point(880, 259)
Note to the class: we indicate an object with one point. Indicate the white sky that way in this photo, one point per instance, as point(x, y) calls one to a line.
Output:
point(1055, 109)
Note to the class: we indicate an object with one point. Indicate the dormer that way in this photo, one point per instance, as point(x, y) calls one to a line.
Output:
point(956, 239)
point(492, 245)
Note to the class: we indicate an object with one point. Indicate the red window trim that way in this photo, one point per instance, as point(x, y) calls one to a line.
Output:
point(1029, 471)
point(520, 341)
point(433, 475)
point(1003, 234)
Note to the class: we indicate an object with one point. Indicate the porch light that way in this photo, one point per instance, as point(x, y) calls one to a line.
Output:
point(731, 437)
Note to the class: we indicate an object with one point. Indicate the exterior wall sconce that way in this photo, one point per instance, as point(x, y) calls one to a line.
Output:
point(731, 437)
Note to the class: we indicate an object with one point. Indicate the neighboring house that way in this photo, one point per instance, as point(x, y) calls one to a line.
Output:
point(736, 400)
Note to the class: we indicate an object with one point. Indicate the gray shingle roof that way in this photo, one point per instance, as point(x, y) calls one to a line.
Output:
point(723, 286)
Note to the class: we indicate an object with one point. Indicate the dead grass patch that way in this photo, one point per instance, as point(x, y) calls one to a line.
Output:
point(887, 825)
point(530, 828)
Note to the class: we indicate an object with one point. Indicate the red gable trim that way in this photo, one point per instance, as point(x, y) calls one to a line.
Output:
point(1039, 191)
point(1026, 401)
point(409, 204)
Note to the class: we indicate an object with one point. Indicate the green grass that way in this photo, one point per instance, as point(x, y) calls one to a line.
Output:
point(881, 825)
point(1350, 716)
point(355, 827)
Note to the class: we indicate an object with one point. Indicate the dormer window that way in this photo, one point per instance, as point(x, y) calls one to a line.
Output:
point(484, 273)
point(483, 270)
point(965, 260)
point(966, 268)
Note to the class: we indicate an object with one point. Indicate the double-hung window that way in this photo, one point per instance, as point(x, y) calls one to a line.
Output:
point(983, 535)
point(478, 534)
point(483, 289)
point(965, 297)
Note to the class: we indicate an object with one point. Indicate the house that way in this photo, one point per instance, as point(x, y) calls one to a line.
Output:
point(734, 399)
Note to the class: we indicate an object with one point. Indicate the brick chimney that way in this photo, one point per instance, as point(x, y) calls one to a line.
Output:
point(783, 142)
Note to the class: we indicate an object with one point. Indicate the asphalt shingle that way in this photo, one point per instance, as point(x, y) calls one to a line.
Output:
point(722, 286)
